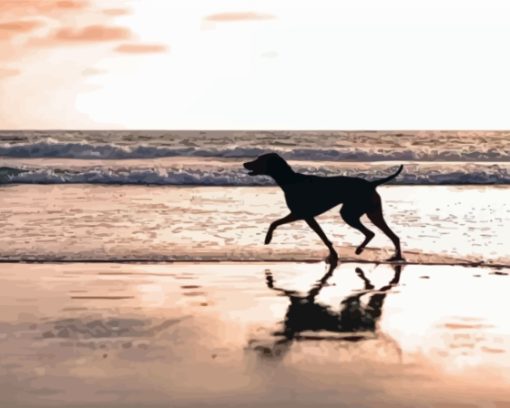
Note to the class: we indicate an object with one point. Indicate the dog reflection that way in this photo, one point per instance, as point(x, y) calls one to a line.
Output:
point(307, 319)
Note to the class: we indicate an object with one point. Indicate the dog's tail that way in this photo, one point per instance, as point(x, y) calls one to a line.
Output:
point(376, 183)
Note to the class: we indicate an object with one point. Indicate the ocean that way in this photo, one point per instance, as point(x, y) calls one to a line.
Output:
point(214, 157)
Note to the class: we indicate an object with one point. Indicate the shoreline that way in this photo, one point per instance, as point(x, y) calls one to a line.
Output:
point(138, 224)
point(254, 255)
point(268, 185)
point(467, 264)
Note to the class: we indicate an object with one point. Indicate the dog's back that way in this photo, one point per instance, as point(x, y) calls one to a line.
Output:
point(312, 195)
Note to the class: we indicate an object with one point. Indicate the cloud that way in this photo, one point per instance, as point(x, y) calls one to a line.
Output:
point(9, 29)
point(116, 11)
point(70, 4)
point(44, 7)
point(132, 48)
point(93, 33)
point(8, 72)
point(240, 16)
point(20, 26)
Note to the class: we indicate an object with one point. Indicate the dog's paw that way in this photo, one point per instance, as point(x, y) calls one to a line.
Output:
point(268, 239)
point(359, 250)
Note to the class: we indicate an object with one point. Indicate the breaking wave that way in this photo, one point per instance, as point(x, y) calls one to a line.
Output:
point(50, 148)
point(415, 175)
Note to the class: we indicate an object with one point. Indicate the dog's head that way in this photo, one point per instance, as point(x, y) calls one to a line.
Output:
point(268, 165)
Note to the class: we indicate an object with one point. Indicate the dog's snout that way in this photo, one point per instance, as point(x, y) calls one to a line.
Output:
point(253, 167)
point(247, 165)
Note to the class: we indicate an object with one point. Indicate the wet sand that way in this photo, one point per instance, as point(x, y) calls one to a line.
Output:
point(170, 223)
point(253, 335)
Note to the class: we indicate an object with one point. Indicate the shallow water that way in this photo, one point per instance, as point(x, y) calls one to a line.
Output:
point(253, 334)
point(88, 222)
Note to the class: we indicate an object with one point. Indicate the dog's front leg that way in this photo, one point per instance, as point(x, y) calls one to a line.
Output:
point(333, 256)
point(285, 220)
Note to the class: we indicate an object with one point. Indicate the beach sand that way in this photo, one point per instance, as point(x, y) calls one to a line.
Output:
point(86, 326)
point(253, 334)
point(160, 223)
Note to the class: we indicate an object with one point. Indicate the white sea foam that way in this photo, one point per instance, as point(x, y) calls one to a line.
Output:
point(85, 150)
point(316, 146)
point(214, 158)
point(414, 174)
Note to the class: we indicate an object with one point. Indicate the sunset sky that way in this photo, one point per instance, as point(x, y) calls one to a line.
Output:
point(244, 64)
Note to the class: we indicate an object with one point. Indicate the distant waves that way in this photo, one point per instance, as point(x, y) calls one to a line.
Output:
point(301, 146)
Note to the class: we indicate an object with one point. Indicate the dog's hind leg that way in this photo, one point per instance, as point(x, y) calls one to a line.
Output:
point(351, 216)
point(375, 214)
point(285, 220)
point(333, 256)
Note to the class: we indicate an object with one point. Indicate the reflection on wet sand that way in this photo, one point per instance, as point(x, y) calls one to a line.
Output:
point(253, 335)
point(307, 319)
point(84, 328)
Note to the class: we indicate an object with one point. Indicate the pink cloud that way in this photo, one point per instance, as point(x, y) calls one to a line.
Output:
point(93, 33)
point(43, 7)
point(132, 48)
point(20, 25)
point(8, 72)
point(70, 4)
point(116, 11)
point(9, 29)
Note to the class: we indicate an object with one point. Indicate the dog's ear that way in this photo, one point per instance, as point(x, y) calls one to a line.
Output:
point(276, 164)
point(274, 156)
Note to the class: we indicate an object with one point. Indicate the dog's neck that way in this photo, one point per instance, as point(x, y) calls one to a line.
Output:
point(284, 178)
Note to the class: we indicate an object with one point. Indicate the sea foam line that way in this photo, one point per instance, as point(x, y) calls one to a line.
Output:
point(108, 151)
point(237, 177)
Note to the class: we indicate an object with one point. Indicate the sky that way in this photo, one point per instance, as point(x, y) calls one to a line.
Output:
point(245, 64)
